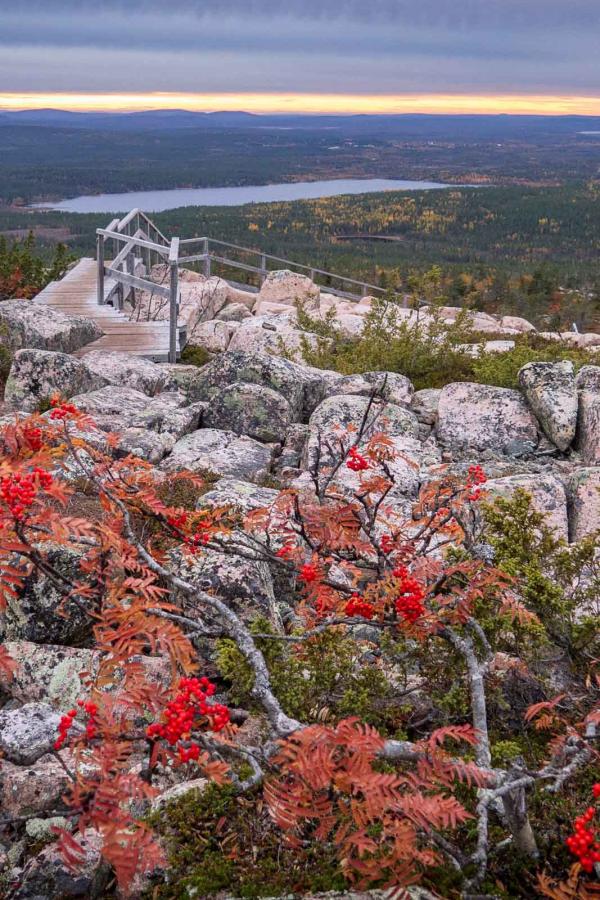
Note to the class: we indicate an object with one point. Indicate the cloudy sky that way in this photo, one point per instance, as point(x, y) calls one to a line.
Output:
point(236, 49)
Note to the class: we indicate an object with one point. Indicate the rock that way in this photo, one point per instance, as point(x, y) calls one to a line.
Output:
point(425, 405)
point(588, 379)
point(584, 503)
point(28, 733)
point(200, 298)
point(478, 417)
point(43, 829)
point(214, 336)
point(197, 785)
point(516, 323)
point(551, 392)
point(548, 497)
point(32, 789)
point(394, 388)
point(293, 449)
point(37, 326)
point(236, 494)
point(245, 584)
point(588, 428)
point(285, 286)
point(47, 876)
point(302, 386)
point(251, 409)
point(277, 335)
point(584, 341)
point(36, 375)
point(132, 372)
point(179, 377)
point(34, 614)
point(234, 312)
point(220, 452)
point(47, 672)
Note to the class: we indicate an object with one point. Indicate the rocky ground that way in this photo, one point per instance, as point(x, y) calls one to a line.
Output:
point(252, 419)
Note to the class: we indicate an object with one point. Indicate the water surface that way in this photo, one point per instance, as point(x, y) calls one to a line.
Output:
point(156, 201)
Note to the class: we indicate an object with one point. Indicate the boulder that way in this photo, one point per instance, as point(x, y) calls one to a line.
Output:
point(234, 312)
point(220, 452)
point(36, 375)
point(584, 503)
point(234, 493)
point(32, 789)
point(40, 613)
point(516, 323)
point(122, 369)
point(285, 286)
point(588, 379)
point(302, 386)
point(334, 416)
point(244, 584)
point(392, 387)
point(37, 326)
point(47, 672)
point(548, 497)
point(214, 336)
point(47, 876)
point(27, 733)
point(480, 417)
point(588, 428)
point(260, 412)
point(425, 405)
point(551, 392)
point(277, 335)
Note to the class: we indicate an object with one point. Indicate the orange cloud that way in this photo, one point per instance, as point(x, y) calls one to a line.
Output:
point(341, 104)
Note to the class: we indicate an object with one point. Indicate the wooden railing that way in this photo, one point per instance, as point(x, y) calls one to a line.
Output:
point(136, 238)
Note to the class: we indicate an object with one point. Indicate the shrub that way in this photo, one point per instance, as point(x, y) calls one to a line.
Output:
point(23, 273)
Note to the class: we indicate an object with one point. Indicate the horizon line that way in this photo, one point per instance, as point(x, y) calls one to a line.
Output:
point(305, 103)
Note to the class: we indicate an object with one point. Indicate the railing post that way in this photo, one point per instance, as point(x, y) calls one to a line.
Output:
point(206, 258)
point(100, 259)
point(263, 268)
point(173, 298)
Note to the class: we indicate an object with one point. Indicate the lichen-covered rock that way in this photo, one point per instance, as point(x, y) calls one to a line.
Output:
point(237, 494)
point(47, 876)
point(234, 312)
point(214, 336)
point(245, 584)
point(285, 286)
point(220, 452)
point(251, 409)
point(425, 405)
point(34, 614)
point(548, 497)
point(588, 427)
point(332, 418)
point(32, 789)
point(28, 733)
point(47, 672)
point(278, 335)
point(301, 386)
point(38, 326)
point(35, 375)
point(478, 417)
point(584, 503)
point(588, 379)
point(390, 386)
point(551, 392)
point(122, 369)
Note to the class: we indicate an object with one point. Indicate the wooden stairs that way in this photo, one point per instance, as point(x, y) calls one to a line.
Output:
point(76, 295)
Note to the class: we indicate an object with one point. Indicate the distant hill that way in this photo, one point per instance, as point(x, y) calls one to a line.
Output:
point(485, 127)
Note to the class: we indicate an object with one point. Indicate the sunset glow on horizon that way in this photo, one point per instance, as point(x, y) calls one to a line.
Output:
point(310, 103)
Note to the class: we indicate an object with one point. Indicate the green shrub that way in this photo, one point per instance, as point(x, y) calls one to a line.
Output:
point(193, 355)
point(502, 369)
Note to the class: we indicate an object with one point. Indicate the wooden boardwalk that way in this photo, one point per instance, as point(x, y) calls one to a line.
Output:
point(76, 295)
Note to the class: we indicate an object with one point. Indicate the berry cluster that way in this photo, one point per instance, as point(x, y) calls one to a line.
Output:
point(61, 410)
point(188, 711)
point(285, 551)
point(386, 543)
point(475, 478)
point(308, 573)
point(356, 461)
point(582, 843)
point(66, 722)
point(33, 437)
point(356, 606)
point(19, 491)
point(179, 521)
point(409, 602)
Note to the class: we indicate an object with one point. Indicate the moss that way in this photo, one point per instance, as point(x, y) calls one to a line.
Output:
point(221, 842)
point(193, 355)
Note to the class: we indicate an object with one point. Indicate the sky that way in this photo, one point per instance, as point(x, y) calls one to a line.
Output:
point(302, 55)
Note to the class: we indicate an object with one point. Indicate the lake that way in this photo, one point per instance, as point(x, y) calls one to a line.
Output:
point(156, 201)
